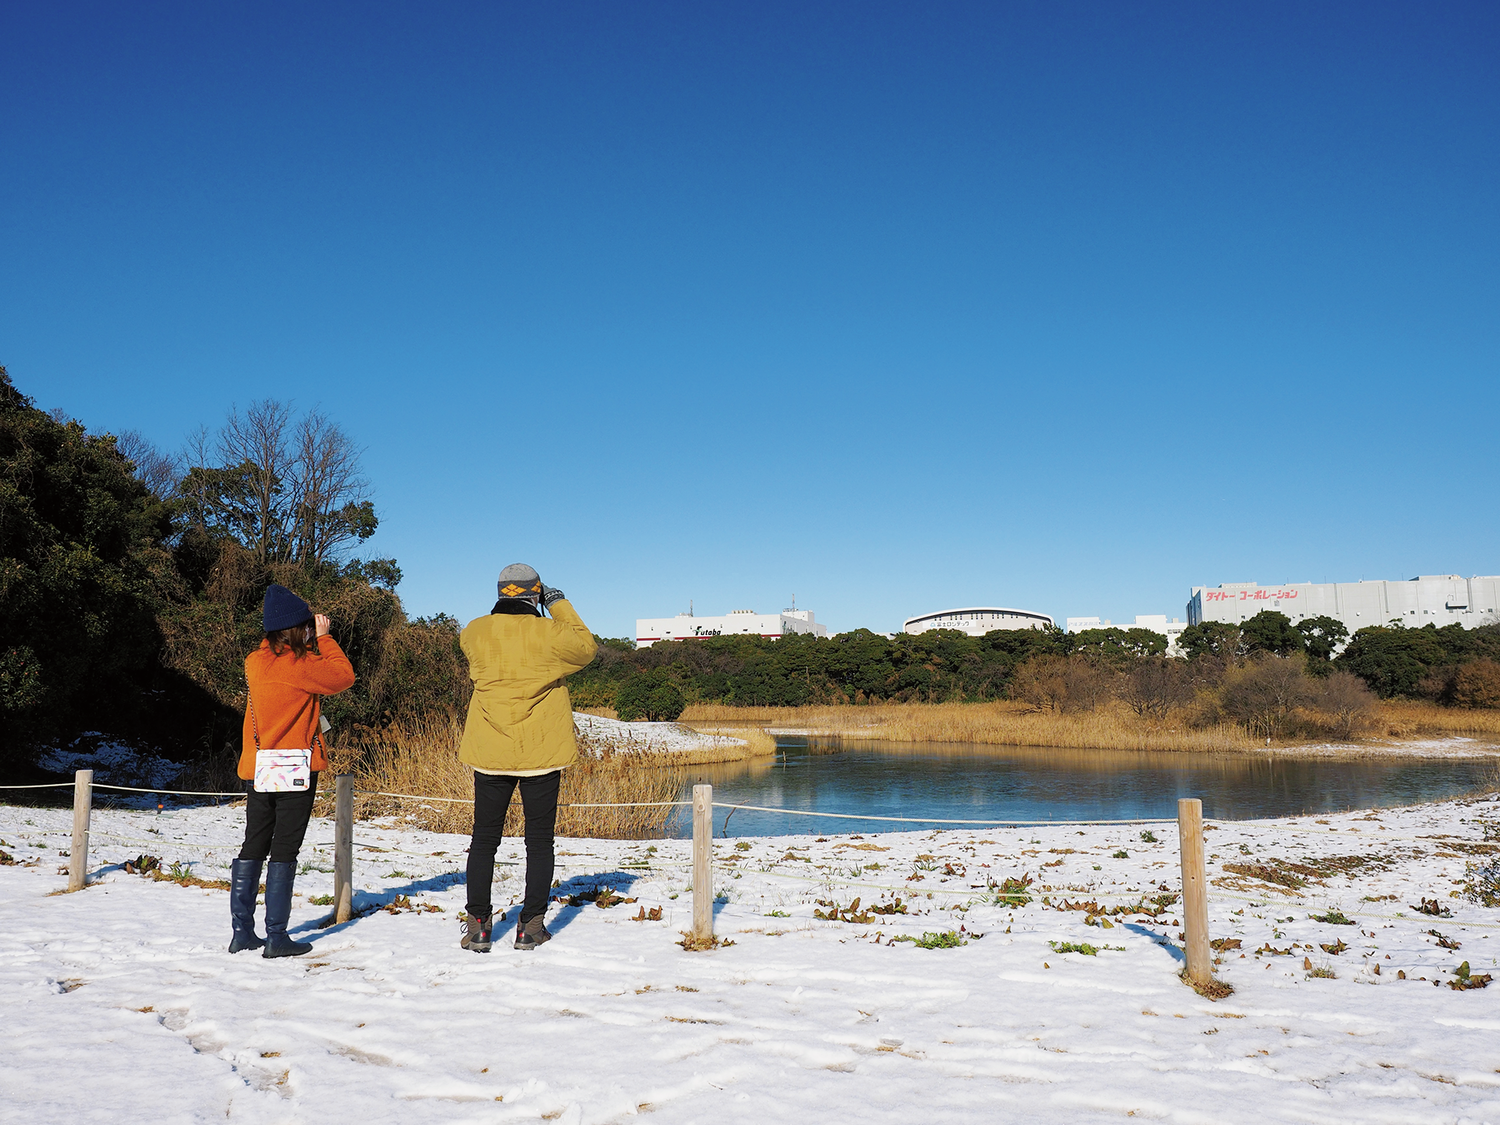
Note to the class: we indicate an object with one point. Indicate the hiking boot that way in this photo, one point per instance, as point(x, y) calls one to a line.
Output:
point(531, 934)
point(476, 935)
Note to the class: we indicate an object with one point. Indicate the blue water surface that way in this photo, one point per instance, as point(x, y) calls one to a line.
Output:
point(944, 781)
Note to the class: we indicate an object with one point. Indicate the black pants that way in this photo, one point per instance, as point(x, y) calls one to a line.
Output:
point(276, 822)
point(492, 794)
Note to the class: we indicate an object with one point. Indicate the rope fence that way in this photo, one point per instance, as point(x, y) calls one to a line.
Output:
point(1191, 834)
point(1316, 830)
point(133, 789)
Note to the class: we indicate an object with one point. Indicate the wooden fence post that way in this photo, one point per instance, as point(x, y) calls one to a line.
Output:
point(343, 847)
point(703, 874)
point(1194, 890)
point(78, 858)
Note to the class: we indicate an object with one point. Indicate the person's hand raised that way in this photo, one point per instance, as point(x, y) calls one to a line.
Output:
point(321, 621)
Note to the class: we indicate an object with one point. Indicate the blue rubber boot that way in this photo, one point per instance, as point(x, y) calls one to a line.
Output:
point(279, 880)
point(244, 885)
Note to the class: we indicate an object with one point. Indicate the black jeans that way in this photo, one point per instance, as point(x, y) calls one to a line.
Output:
point(276, 822)
point(492, 794)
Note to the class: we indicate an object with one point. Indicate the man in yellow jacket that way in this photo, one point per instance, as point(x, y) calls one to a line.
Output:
point(519, 734)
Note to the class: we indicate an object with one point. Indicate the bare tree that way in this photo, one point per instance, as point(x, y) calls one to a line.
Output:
point(1346, 703)
point(153, 468)
point(256, 443)
point(288, 491)
point(1087, 683)
point(1264, 694)
point(1156, 685)
point(330, 504)
point(214, 496)
point(1041, 682)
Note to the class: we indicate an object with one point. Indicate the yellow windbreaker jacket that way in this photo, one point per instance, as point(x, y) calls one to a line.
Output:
point(520, 717)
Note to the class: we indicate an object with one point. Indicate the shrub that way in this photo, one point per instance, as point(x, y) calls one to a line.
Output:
point(1345, 706)
point(1041, 682)
point(650, 696)
point(1477, 684)
point(1482, 882)
point(1087, 683)
point(421, 673)
point(1263, 695)
point(1156, 685)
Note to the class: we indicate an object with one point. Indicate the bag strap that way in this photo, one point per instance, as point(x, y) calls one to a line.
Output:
point(254, 726)
point(317, 731)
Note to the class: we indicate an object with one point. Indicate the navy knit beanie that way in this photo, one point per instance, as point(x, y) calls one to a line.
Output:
point(283, 609)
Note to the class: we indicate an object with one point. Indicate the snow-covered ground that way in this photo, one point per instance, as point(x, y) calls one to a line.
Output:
point(668, 738)
point(122, 1006)
point(113, 762)
point(1451, 746)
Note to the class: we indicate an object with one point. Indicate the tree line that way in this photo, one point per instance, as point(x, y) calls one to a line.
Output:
point(1260, 673)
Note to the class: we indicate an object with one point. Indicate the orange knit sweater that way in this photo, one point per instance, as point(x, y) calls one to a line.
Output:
point(287, 693)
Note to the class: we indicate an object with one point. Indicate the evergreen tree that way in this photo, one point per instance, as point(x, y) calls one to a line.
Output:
point(82, 567)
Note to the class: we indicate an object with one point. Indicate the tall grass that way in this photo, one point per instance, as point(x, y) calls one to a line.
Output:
point(422, 759)
point(1110, 727)
point(1404, 718)
point(758, 743)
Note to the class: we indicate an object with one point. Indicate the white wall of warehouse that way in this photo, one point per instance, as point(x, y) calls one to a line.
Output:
point(1432, 599)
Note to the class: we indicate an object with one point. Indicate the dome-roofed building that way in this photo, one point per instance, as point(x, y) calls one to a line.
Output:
point(978, 620)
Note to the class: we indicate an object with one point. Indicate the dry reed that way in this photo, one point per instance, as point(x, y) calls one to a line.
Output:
point(423, 760)
point(640, 744)
point(757, 743)
point(1111, 727)
point(1404, 718)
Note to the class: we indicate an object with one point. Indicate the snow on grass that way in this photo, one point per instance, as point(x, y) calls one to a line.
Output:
point(1448, 746)
point(121, 1004)
point(658, 737)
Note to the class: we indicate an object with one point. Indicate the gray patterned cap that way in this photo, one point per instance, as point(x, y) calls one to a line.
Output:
point(520, 581)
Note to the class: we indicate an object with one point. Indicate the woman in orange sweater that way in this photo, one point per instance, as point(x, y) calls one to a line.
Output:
point(287, 678)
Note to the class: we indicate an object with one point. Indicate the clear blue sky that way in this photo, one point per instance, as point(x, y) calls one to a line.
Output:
point(894, 307)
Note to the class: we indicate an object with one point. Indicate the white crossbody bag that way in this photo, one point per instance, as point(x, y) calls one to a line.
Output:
point(280, 771)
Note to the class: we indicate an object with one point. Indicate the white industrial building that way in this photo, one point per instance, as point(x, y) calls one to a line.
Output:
point(737, 622)
point(977, 621)
point(1432, 599)
point(1156, 622)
